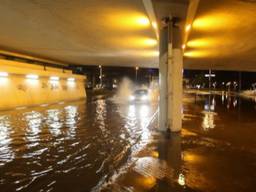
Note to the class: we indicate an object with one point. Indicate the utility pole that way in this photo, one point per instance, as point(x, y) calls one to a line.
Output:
point(100, 67)
point(136, 73)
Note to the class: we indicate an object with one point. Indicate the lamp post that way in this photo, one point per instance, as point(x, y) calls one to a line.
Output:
point(100, 77)
point(136, 72)
point(210, 75)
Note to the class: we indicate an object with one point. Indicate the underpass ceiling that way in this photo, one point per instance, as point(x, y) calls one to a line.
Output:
point(223, 36)
point(84, 32)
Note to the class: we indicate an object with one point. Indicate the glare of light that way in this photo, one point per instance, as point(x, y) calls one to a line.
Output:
point(150, 42)
point(196, 54)
point(71, 79)
point(148, 182)
point(135, 41)
point(203, 42)
point(150, 53)
point(213, 21)
point(208, 120)
point(4, 74)
point(127, 20)
point(144, 98)
point(6, 140)
point(188, 27)
point(34, 122)
point(136, 68)
point(54, 78)
point(71, 120)
point(154, 24)
point(32, 76)
point(208, 75)
point(144, 110)
point(53, 121)
point(155, 154)
point(184, 46)
point(131, 98)
point(4, 78)
point(99, 66)
point(143, 21)
point(181, 180)
point(71, 82)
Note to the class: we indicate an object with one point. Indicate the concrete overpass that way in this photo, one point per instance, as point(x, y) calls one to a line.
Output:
point(210, 34)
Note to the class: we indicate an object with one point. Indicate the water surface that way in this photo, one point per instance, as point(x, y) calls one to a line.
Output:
point(68, 146)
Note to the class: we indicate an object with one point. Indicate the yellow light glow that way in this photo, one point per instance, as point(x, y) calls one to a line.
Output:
point(4, 74)
point(155, 154)
point(198, 43)
point(54, 78)
point(192, 157)
point(150, 53)
point(143, 21)
point(32, 76)
point(147, 182)
point(71, 79)
point(154, 24)
point(150, 42)
point(128, 20)
point(135, 42)
point(181, 180)
point(4, 78)
point(196, 54)
point(188, 27)
point(183, 46)
point(214, 21)
point(210, 42)
point(71, 82)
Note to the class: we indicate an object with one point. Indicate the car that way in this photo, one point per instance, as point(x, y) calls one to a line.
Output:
point(140, 95)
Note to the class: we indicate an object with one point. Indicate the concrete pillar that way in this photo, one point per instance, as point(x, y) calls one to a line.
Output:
point(171, 65)
point(163, 67)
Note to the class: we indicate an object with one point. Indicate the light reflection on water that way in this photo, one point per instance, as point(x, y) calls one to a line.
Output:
point(5, 140)
point(215, 108)
point(209, 114)
point(45, 148)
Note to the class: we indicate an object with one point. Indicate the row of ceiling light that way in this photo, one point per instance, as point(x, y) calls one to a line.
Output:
point(36, 77)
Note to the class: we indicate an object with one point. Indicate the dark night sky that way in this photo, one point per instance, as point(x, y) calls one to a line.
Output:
point(143, 74)
point(247, 78)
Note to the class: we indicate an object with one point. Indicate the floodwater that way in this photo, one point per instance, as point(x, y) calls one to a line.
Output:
point(71, 146)
point(219, 143)
point(215, 151)
point(103, 145)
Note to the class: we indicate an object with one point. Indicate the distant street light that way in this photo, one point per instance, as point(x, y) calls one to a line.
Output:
point(210, 75)
point(100, 77)
point(136, 71)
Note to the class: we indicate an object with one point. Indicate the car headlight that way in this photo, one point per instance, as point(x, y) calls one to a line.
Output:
point(144, 98)
point(132, 98)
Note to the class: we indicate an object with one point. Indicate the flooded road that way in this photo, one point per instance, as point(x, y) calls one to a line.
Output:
point(215, 151)
point(68, 146)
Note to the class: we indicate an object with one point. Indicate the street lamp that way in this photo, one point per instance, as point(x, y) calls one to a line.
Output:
point(136, 71)
point(100, 77)
point(210, 75)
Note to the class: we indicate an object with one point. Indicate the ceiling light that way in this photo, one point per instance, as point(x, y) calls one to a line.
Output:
point(4, 74)
point(54, 78)
point(71, 79)
point(32, 76)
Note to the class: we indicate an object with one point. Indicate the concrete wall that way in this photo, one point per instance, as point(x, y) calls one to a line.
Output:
point(17, 90)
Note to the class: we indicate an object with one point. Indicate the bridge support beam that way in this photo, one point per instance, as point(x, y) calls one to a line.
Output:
point(170, 78)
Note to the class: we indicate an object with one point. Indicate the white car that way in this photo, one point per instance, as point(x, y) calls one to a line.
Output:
point(140, 95)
